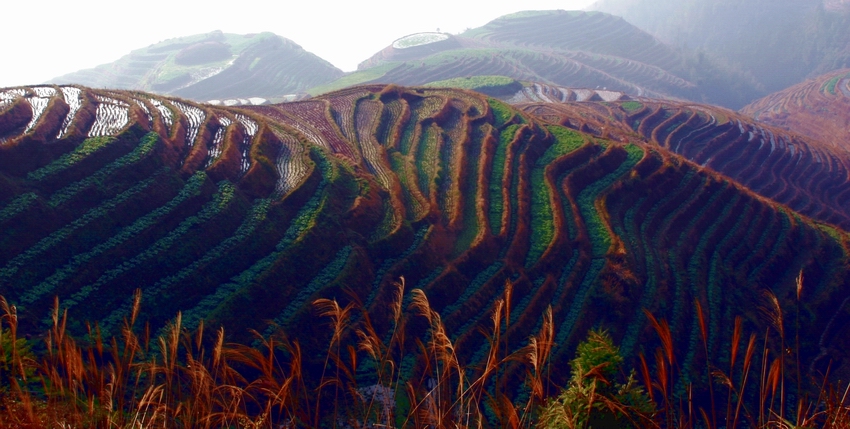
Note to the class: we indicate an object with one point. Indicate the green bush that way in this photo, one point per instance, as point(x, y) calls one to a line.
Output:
point(593, 398)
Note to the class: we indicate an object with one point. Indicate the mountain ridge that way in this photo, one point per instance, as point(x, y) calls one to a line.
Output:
point(563, 48)
point(213, 66)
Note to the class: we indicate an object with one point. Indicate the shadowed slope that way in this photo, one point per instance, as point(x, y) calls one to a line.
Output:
point(804, 174)
point(244, 216)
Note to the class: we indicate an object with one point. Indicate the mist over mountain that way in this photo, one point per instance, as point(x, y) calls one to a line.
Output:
point(565, 48)
point(213, 66)
point(779, 43)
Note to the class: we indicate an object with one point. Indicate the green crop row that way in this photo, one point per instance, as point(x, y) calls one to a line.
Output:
point(713, 286)
point(651, 265)
point(330, 272)
point(598, 233)
point(518, 310)
point(696, 269)
point(388, 223)
point(428, 159)
point(63, 233)
point(653, 262)
point(780, 240)
point(391, 117)
point(145, 147)
point(502, 113)
point(497, 175)
point(470, 191)
point(628, 229)
point(471, 289)
point(221, 199)
point(192, 188)
point(737, 258)
point(400, 166)
point(81, 152)
point(650, 286)
point(542, 221)
point(418, 239)
point(303, 220)
point(18, 205)
point(577, 304)
point(702, 202)
point(192, 316)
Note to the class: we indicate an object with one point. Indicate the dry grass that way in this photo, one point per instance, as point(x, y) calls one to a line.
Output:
point(197, 380)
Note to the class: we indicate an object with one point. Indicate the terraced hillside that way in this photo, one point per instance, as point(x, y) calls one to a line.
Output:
point(804, 174)
point(245, 216)
point(213, 66)
point(570, 49)
point(818, 108)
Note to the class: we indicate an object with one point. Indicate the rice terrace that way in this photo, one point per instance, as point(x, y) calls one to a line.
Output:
point(538, 223)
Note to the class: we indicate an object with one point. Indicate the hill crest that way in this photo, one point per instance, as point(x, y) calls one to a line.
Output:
point(561, 48)
point(210, 66)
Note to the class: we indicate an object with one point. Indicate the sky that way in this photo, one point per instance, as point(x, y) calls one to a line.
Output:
point(43, 39)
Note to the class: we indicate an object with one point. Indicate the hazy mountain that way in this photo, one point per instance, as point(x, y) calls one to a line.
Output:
point(245, 216)
point(213, 66)
point(779, 43)
point(572, 49)
point(818, 108)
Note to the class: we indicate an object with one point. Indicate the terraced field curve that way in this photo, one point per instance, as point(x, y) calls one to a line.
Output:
point(805, 174)
point(245, 216)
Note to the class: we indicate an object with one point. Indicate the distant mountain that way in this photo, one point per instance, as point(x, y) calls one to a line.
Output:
point(213, 66)
point(571, 49)
point(778, 42)
point(242, 216)
point(818, 108)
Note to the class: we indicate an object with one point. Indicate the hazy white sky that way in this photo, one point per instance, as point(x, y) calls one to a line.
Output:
point(42, 39)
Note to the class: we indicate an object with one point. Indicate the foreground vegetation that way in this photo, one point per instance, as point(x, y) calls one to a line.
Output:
point(195, 379)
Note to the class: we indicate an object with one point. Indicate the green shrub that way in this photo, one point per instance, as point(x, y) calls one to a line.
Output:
point(593, 398)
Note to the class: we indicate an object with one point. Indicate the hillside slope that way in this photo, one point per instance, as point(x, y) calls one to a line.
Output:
point(245, 216)
point(818, 108)
point(802, 173)
point(213, 66)
point(780, 43)
point(573, 49)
